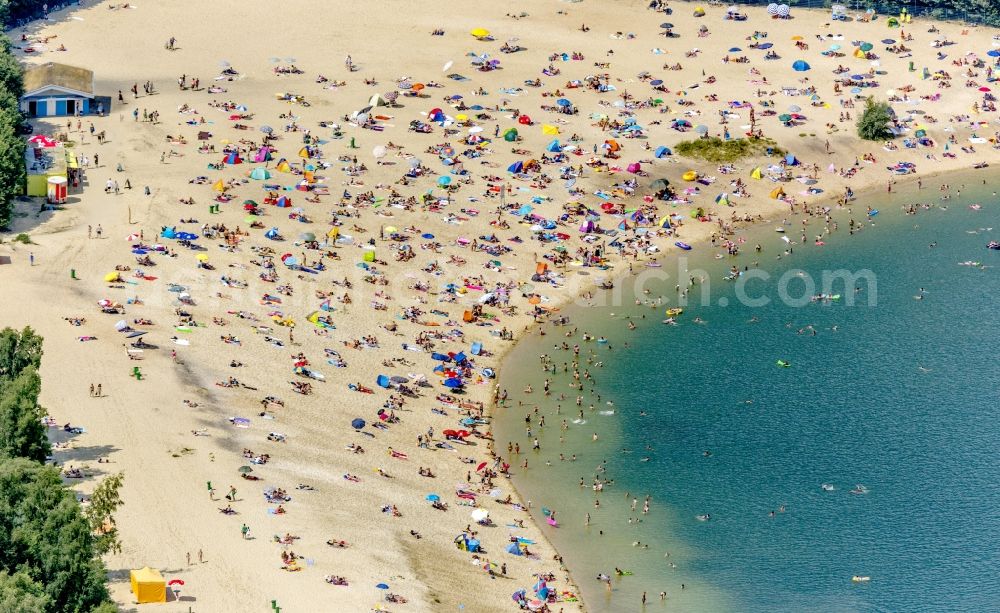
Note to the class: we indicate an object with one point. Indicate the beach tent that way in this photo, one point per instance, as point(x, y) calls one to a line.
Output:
point(283, 202)
point(436, 115)
point(554, 147)
point(699, 12)
point(148, 585)
point(690, 175)
point(755, 173)
point(263, 155)
point(662, 151)
point(722, 199)
point(550, 130)
point(233, 158)
point(800, 66)
point(377, 100)
point(516, 167)
point(777, 192)
point(510, 135)
point(260, 174)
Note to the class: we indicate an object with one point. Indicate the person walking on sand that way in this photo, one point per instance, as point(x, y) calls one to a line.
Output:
point(211, 490)
point(91, 390)
point(246, 531)
point(31, 258)
point(99, 394)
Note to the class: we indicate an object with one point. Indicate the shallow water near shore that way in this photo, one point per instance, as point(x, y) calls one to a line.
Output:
point(901, 397)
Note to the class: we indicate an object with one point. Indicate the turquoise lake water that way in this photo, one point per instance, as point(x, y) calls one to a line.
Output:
point(903, 398)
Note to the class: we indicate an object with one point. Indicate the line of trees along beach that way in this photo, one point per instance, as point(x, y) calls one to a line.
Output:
point(50, 546)
point(12, 165)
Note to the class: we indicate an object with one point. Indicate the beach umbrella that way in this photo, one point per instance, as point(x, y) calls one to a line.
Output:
point(701, 129)
point(866, 47)
point(382, 586)
point(266, 129)
point(307, 236)
point(800, 66)
point(447, 65)
point(479, 514)
point(358, 423)
point(660, 184)
point(855, 90)
point(135, 334)
point(785, 118)
point(378, 152)
point(993, 53)
point(834, 47)
point(772, 9)
point(888, 41)
point(666, 26)
point(174, 582)
point(656, 82)
point(444, 181)
point(480, 33)
point(246, 470)
point(432, 497)
point(735, 50)
point(794, 108)
point(453, 382)
point(984, 89)
point(784, 10)
point(765, 46)
point(564, 102)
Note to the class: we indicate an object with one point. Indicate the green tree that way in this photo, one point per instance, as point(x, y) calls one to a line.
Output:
point(44, 534)
point(19, 594)
point(11, 73)
point(100, 513)
point(873, 124)
point(18, 351)
point(22, 433)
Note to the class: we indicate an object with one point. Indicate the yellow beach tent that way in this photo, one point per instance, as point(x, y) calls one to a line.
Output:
point(690, 175)
point(550, 130)
point(148, 585)
point(777, 192)
point(755, 173)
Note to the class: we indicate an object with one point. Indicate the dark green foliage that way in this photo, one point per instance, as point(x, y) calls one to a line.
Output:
point(44, 535)
point(12, 165)
point(19, 594)
point(18, 351)
point(22, 433)
point(873, 123)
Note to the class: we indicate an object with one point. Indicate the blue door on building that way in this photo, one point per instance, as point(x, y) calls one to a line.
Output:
point(60, 108)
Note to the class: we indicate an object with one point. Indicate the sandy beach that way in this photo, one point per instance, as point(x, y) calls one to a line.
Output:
point(264, 351)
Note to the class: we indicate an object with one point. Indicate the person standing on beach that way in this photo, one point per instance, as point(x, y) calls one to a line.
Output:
point(99, 394)
point(211, 490)
point(91, 390)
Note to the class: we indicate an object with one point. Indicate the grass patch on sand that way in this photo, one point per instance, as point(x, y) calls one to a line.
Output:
point(718, 150)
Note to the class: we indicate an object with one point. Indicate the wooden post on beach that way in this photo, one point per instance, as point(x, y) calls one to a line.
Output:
point(130, 215)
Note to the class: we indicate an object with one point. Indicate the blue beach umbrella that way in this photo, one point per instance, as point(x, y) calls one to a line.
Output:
point(800, 66)
point(993, 53)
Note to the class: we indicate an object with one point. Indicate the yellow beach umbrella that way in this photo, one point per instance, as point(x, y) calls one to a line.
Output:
point(462, 117)
point(201, 257)
point(690, 175)
point(112, 276)
point(480, 32)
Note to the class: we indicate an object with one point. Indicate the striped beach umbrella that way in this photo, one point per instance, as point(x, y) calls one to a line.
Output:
point(772, 9)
